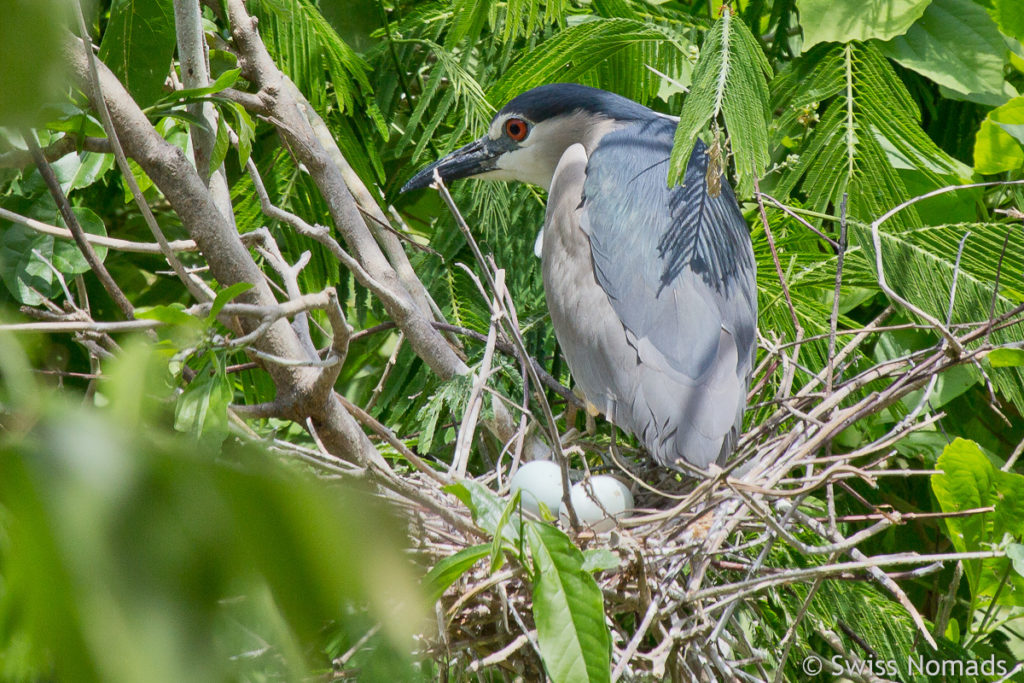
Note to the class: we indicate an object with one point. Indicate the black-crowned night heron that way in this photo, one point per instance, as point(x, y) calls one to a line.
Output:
point(651, 289)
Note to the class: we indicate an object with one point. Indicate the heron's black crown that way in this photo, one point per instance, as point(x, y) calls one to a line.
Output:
point(547, 101)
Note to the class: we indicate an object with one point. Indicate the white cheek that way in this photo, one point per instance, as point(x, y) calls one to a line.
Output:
point(526, 165)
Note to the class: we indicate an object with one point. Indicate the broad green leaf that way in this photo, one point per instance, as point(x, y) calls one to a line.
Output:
point(995, 150)
point(842, 21)
point(28, 258)
point(600, 560)
point(225, 80)
point(1009, 15)
point(1015, 551)
point(1006, 358)
point(66, 255)
point(969, 481)
point(956, 44)
point(729, 80)
point(172, 314)
point(137, 46)
point(448, 570)
point(224, 296)
point(221, 145)
point(488, 510)
point(76, 171)
point(568, 609)
point(202, 408)
point(966, 483)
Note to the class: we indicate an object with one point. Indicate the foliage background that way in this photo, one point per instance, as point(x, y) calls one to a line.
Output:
point(132, 500)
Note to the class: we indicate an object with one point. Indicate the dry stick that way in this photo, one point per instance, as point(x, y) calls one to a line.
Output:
point(388, 435)
point(199, 289)
point(464, 439)
point(789, 212)
point(775, 258)
point(55, 150)
point(102, 274)
point(995, 286)
point(195, 73)
point(97, 240)
point(834, 319)
point(549, 417)
point(876, 239)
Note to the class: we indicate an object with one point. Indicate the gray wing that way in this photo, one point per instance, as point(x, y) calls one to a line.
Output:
point(678, 269)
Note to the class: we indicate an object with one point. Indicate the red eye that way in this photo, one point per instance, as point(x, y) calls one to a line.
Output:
point(516, 129)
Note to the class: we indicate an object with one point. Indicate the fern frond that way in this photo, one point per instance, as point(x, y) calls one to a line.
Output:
point(848, 151)
point(728, 81)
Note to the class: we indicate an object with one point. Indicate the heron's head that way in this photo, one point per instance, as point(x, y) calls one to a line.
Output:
point(528, 136)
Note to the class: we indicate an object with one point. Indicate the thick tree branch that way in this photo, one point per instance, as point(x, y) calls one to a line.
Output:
point(229, 260)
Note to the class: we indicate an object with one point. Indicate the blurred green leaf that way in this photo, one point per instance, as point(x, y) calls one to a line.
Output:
point(1009, 15)
point(130, 555)
point(202, 408)
point(32, 70)
point(600, 560)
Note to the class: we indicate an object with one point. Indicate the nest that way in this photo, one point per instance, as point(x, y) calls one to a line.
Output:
point(692, 554)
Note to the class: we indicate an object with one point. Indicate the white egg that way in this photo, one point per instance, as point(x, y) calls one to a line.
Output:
point(540, 482)
point(598, 503)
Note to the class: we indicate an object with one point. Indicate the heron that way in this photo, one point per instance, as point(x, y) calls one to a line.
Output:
point(651, 289)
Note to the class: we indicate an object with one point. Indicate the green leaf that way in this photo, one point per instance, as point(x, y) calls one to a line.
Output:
point(995, 149)
point(1015, 551)
point(138, 44)
point(488, 510)
point(202, 408)
point(1009, 15)
point(32, 66)
point(600, 560)
point(568, 609)
point(844, 153)
point(225, 80)
point(1006, 358)
point(245, 129)
point(448, 570)
point(66, 255)
point(497, 544)
point(969, 481)
point(171, 314)
point(842, 21)
point(26, 256)
point(224, 296)
point(91, 166)
point(729, 79)
point(956, 44)
point(221, 145)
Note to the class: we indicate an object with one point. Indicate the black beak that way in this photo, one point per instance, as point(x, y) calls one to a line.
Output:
point(473, 159)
